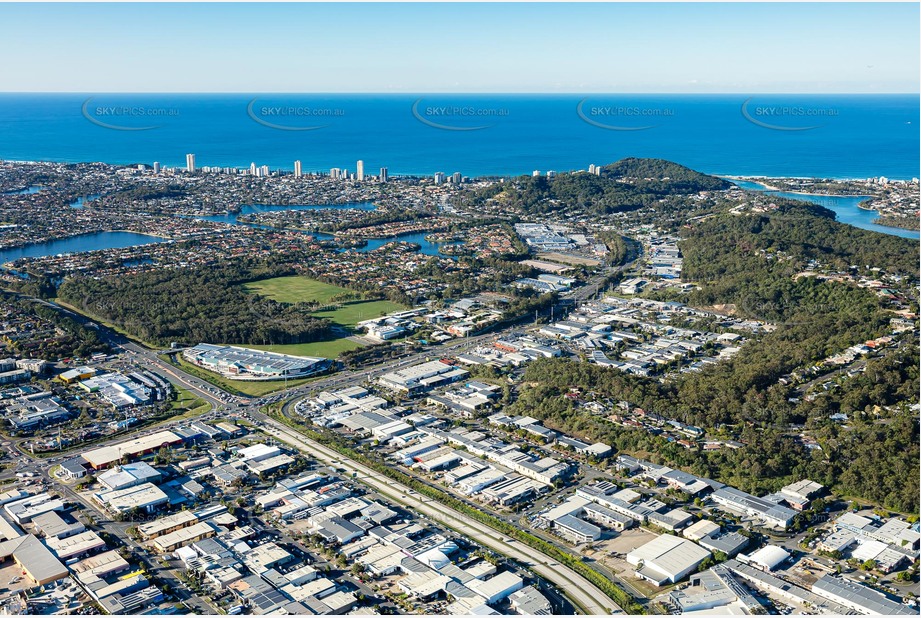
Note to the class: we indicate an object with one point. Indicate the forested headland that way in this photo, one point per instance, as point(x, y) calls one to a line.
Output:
point(626, 185)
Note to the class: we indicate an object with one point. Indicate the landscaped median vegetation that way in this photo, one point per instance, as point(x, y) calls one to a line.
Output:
point(188, 405)
point(618, 595)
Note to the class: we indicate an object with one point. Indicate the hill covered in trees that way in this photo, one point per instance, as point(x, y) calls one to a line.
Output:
point(795, 233)
point(873, 457)
point(754, 266)
point(626, 185)
point(755, 262)
point(662, 177)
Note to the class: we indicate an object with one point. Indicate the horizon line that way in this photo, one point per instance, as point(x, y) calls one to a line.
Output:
point(397, 174)
point(456, 93)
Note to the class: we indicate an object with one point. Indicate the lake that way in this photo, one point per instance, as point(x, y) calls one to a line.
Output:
point(120, 240)
point(26, 191)
point(80, 202)
point(233, 218)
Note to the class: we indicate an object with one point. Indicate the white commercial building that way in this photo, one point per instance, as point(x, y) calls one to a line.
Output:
point(22, 511)
point(128, 475)
point(258, 452)
point(246, 364)
point(423, 377)
point(144, 497)
point(119, 390)
point(105, 456)
point(666, 559)
point(75, 545)
point(701, 529)
point(768, 557)
point(769, 513)
point(497, 587)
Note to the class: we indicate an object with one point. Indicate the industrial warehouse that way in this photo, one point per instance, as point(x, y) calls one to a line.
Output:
point(246, 364)
point(106, 456)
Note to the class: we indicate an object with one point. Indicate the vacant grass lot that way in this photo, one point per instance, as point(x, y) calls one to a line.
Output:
point(297, 289)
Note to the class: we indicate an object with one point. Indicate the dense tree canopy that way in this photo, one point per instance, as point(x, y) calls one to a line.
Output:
point(756, 268)
point(74, 338)
point(626, 185)
point(871, 458)
point(193, 305)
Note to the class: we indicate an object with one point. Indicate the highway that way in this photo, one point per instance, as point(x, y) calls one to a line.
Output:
point(579, 590)
point(337, 379)
point(585, 595)
point(593, 285)
point(582, 592)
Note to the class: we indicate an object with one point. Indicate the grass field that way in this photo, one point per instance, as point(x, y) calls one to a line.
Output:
point(297, 289)
point(568, 259)
point(187, 405)
point(350, 314)
point(326, 349)
point(243, 387)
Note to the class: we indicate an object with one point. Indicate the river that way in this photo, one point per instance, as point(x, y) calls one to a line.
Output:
point(79, 244)
point(845, 207)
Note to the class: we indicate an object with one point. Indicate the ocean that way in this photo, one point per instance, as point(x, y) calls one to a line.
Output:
point(829, 136)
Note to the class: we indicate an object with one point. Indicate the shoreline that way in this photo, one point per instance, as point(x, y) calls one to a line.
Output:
point(151, 234)
point(877, 220)
point(396, 175)
point(758, 181)
point(757, 177)
point(761, 180)
point(390, 237)
point(779, 190)
point(325, 206)
point(861, 204)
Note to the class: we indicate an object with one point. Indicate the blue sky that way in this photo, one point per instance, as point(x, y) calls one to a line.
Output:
point(679, 48)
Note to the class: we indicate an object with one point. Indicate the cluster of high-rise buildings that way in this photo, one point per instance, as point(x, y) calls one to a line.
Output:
point(335, 173)
point(359, 174)
point(455, 178)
